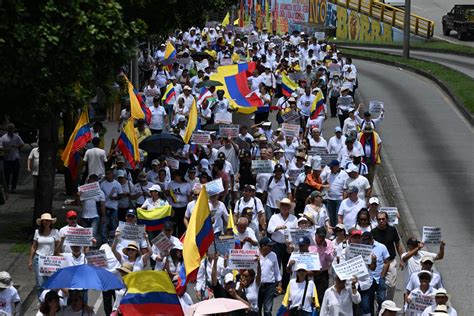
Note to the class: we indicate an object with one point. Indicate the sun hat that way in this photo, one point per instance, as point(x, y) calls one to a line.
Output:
point(131, 245)
point(46, 217)
point(426, 258)
point(441, 292)
point(425, 272)
point(286, 201)
point(389, 306)
point(440, 310)
point(126, 268)
point(5, 280)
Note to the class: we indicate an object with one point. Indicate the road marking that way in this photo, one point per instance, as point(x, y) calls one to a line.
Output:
point(97, 304)
point(445, 39)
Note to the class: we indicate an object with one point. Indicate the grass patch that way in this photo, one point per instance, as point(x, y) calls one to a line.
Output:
point(20, 248)
point(441, 46)
point(461, 84)
point(14, 232)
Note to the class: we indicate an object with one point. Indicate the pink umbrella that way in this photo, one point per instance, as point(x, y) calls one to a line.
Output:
point(215, 306)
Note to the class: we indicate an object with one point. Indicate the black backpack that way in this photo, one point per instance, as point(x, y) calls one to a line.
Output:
point(302, 191)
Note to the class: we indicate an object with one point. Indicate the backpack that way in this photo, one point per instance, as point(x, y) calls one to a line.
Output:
point(302, 191)
point(286, 182)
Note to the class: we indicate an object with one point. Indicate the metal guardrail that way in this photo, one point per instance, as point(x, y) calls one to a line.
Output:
point(391, 15)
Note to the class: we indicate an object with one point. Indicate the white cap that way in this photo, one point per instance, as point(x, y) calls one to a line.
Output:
point(204, 163)
point(267, 124)
point(337, 129)
point(229, 277)
point(352, 168)
point(155, 187)
point(300, 266)
point(441, 292)
point(374, 200)
point(271, 45)
point(356, 153)
point(389, 306)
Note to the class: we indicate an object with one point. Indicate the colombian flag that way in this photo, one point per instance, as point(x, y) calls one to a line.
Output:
point(235, 69)
point(288, 86)
point(128, 144)
point(239, 91)
point(317, 106)
point(144, 107)
point(199, 236)
point(155, 218)
point(226, 20)
point(78, 140)
point(170, 51)
point(150, 293)
point(192, 122)
point(136, 111)
point(170, 93)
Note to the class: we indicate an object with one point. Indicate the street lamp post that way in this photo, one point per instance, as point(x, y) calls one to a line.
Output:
point(406, 30)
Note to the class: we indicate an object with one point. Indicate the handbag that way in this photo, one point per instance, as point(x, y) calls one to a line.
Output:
point(298, 311)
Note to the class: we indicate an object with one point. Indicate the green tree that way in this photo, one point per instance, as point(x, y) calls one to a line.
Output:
point(53, 56)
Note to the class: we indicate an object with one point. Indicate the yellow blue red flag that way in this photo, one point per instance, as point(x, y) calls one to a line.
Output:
point(288, 86)
point(136, 110)
point(155, 218)
point(317, 106)
point(192, 122)
point(128, 143)
point(170, 51)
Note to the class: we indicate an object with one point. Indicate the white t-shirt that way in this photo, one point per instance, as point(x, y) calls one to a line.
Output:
point(413, 264)
point(111, 189)
point(46, 244)
point(277, 190)
point(181, 192)
point(248, 233)
point(143, 190)
point(62, 233)
point(89, 206)
point(349, 210)
point(251, 293)
point(157, 117)
point(296, 294)
point(72, 261)
point(336, 183)
point(304, 104)
point(8, 298)
point(256, 204)
point(96, 159)
point(219, 215)
point(321, 143)
point(336, 144)
point(360, 182)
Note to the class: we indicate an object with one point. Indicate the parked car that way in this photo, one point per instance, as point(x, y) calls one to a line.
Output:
point(460, 19)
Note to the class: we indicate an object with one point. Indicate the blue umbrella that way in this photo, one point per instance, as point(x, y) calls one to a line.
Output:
point(84, 276)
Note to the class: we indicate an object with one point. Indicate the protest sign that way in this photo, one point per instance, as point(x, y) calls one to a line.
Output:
point(201, 138)
point(291, 117)
point(310, 260)
point(163, 243)
point(226, 61)
point(375, 107)
point(172, 163)
point(223, 117)
point(262, 166)
point(290, 129)
point(252, 39)
point(347, 269)
point(345, 101)
point(50, 264)
point(297, 233)
point(97, 258)
point(293, 174)
point(419, 302)
point(431, 235)
point(89, 191)
point(215, 187)
point(355, 250)
point(242, 259)
point(317, 151)
point(327, 158)
point(223, 245)
point(76, 236)
point(231, 130)
point(131, 231)
point(320, 35)
point(392, 213)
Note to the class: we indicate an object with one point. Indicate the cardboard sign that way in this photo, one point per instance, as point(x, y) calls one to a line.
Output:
point(223, 117)
point(50, 264)
point(131, 231)
point(89, 191)
point(320, 35)
point(163, 243)
point(76, 236)
point(365, 251)
point(201, 138)
point(262, 166)
point(347, 269)
point(242, 259)
point(375, 107)
point(317, 151)
point(172, 163)
point(297, 233)
point(290, 129)
point(229, 130)
point(252, 39)
point(419, 303)
point(291, 117)
point(215, 187)
point(327, 158)
point(97, 258)
point(310, 260)
point(224, 245)
point(346, 101)
point(392, 214)
point(431, 235)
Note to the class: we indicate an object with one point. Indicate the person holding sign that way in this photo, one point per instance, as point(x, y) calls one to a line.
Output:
point(131, 253)
point(441, 299)
point(71, 218)
point(45, 243)
point(371, 145)
point(426, 265)
point(325, 250)
point(301, 293)
point(249, 285)
point(338, 299)
point(421, 297)
point(159, 255)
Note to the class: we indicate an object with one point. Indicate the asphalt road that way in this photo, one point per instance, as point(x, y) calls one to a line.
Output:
point(430, 146)
point(462, 64)
point(434, 10)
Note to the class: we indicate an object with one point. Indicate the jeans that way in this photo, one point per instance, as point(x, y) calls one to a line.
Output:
point(265, 298)
point(109, 297)
point(333, 207)
point(269, 211)
point(367, 300)
point(283, 257)
point(94, 223)
point(381, 293)
point(11, 169)
point(112, 222)
point(321, 280)
point(40, 280)
point(178, 220)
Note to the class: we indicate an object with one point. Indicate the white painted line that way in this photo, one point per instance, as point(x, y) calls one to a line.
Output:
point(97, 304)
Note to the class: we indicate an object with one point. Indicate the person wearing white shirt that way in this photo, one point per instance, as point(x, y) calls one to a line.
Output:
point(335, 178)
point(9, 298)
point(277, 188)
point(158, 117)
point(356, 180)
point(219, 214)
point(441, 304)
point(71, 218)
point(338, 299)
point(95, 159)
point(302, 292)
point(350, 123)
point(336, 143)
point(188, 99)
point(347, 152)
point(316, 140)
point(248, 200)
point(151, 91)
point(424, 290)
point(254, 81)
point(245, 234)
point(367, 119)
point(112, 190)
point(305, 102)
point(270, 276)
point(349, 208)
point(268, 78)
point(203, 279)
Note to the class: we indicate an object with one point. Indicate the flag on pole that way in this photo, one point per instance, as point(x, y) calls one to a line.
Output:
point(288, 86)
point(226, 20)
point(128, 143)
point(169, 94)
point(78, 140)
point(170, 51)
point(146, 110)
point(317, 106)
point(236, 22)
point(192, 122)
point(136, 110)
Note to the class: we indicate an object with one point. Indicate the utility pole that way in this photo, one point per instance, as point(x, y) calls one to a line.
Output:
point(406, 30)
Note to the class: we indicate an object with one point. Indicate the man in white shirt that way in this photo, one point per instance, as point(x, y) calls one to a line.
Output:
point(245, 234)
point(305, 102)
point(349, 208)
point(188, 100)
point(338, 299)
point(336, 143)
point(356, 180)
point(158, 117)
point(112, 190)
point(249, 200)
point(9, 298)
point(11, 143)
point(71, 218)
point(270, 276)
point(441, 305)
point(335, 179)
point(412, 258)
point(95, 159)
point(277, 188)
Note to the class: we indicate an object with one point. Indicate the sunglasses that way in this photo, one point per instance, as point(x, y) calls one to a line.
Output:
point(381, 219)
point(363, 219)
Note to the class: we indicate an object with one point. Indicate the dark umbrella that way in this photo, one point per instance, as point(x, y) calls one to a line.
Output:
point(84, 276)
point(209, 83)
point(158, 142)
point(201, 55)
point(211, 127)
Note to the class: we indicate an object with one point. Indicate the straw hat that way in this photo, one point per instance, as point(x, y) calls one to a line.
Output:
point(126, 268)
point(132, 245)
point(45, 217)
point(286, 201)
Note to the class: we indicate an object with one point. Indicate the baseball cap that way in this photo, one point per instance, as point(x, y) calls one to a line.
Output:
point(426, 272)
point(389, 306)
point(155, 162)
point(353, 189)
point(131, 212)
point(321, 231)
point(300, 266)
point(120, 174)
point(249, 187)
point(155, 187)
point(5, 280)
point(266, 241)
point(334, 163)
point(426, 258)
point(356, 232)
point(352, 168)
point(337, 129)
point(70, 214)
point(278, 167)
point(340, 226)
point(304, 241)
point(316, 193)
point(367, 235)
point(229, 277)
point(120, 159)
point(374, 200)
point(412, 242)
point(168, 225)
point(221, 155)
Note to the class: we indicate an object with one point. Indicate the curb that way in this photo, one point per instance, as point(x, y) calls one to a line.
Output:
point(464, 111)
point(433, 50)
